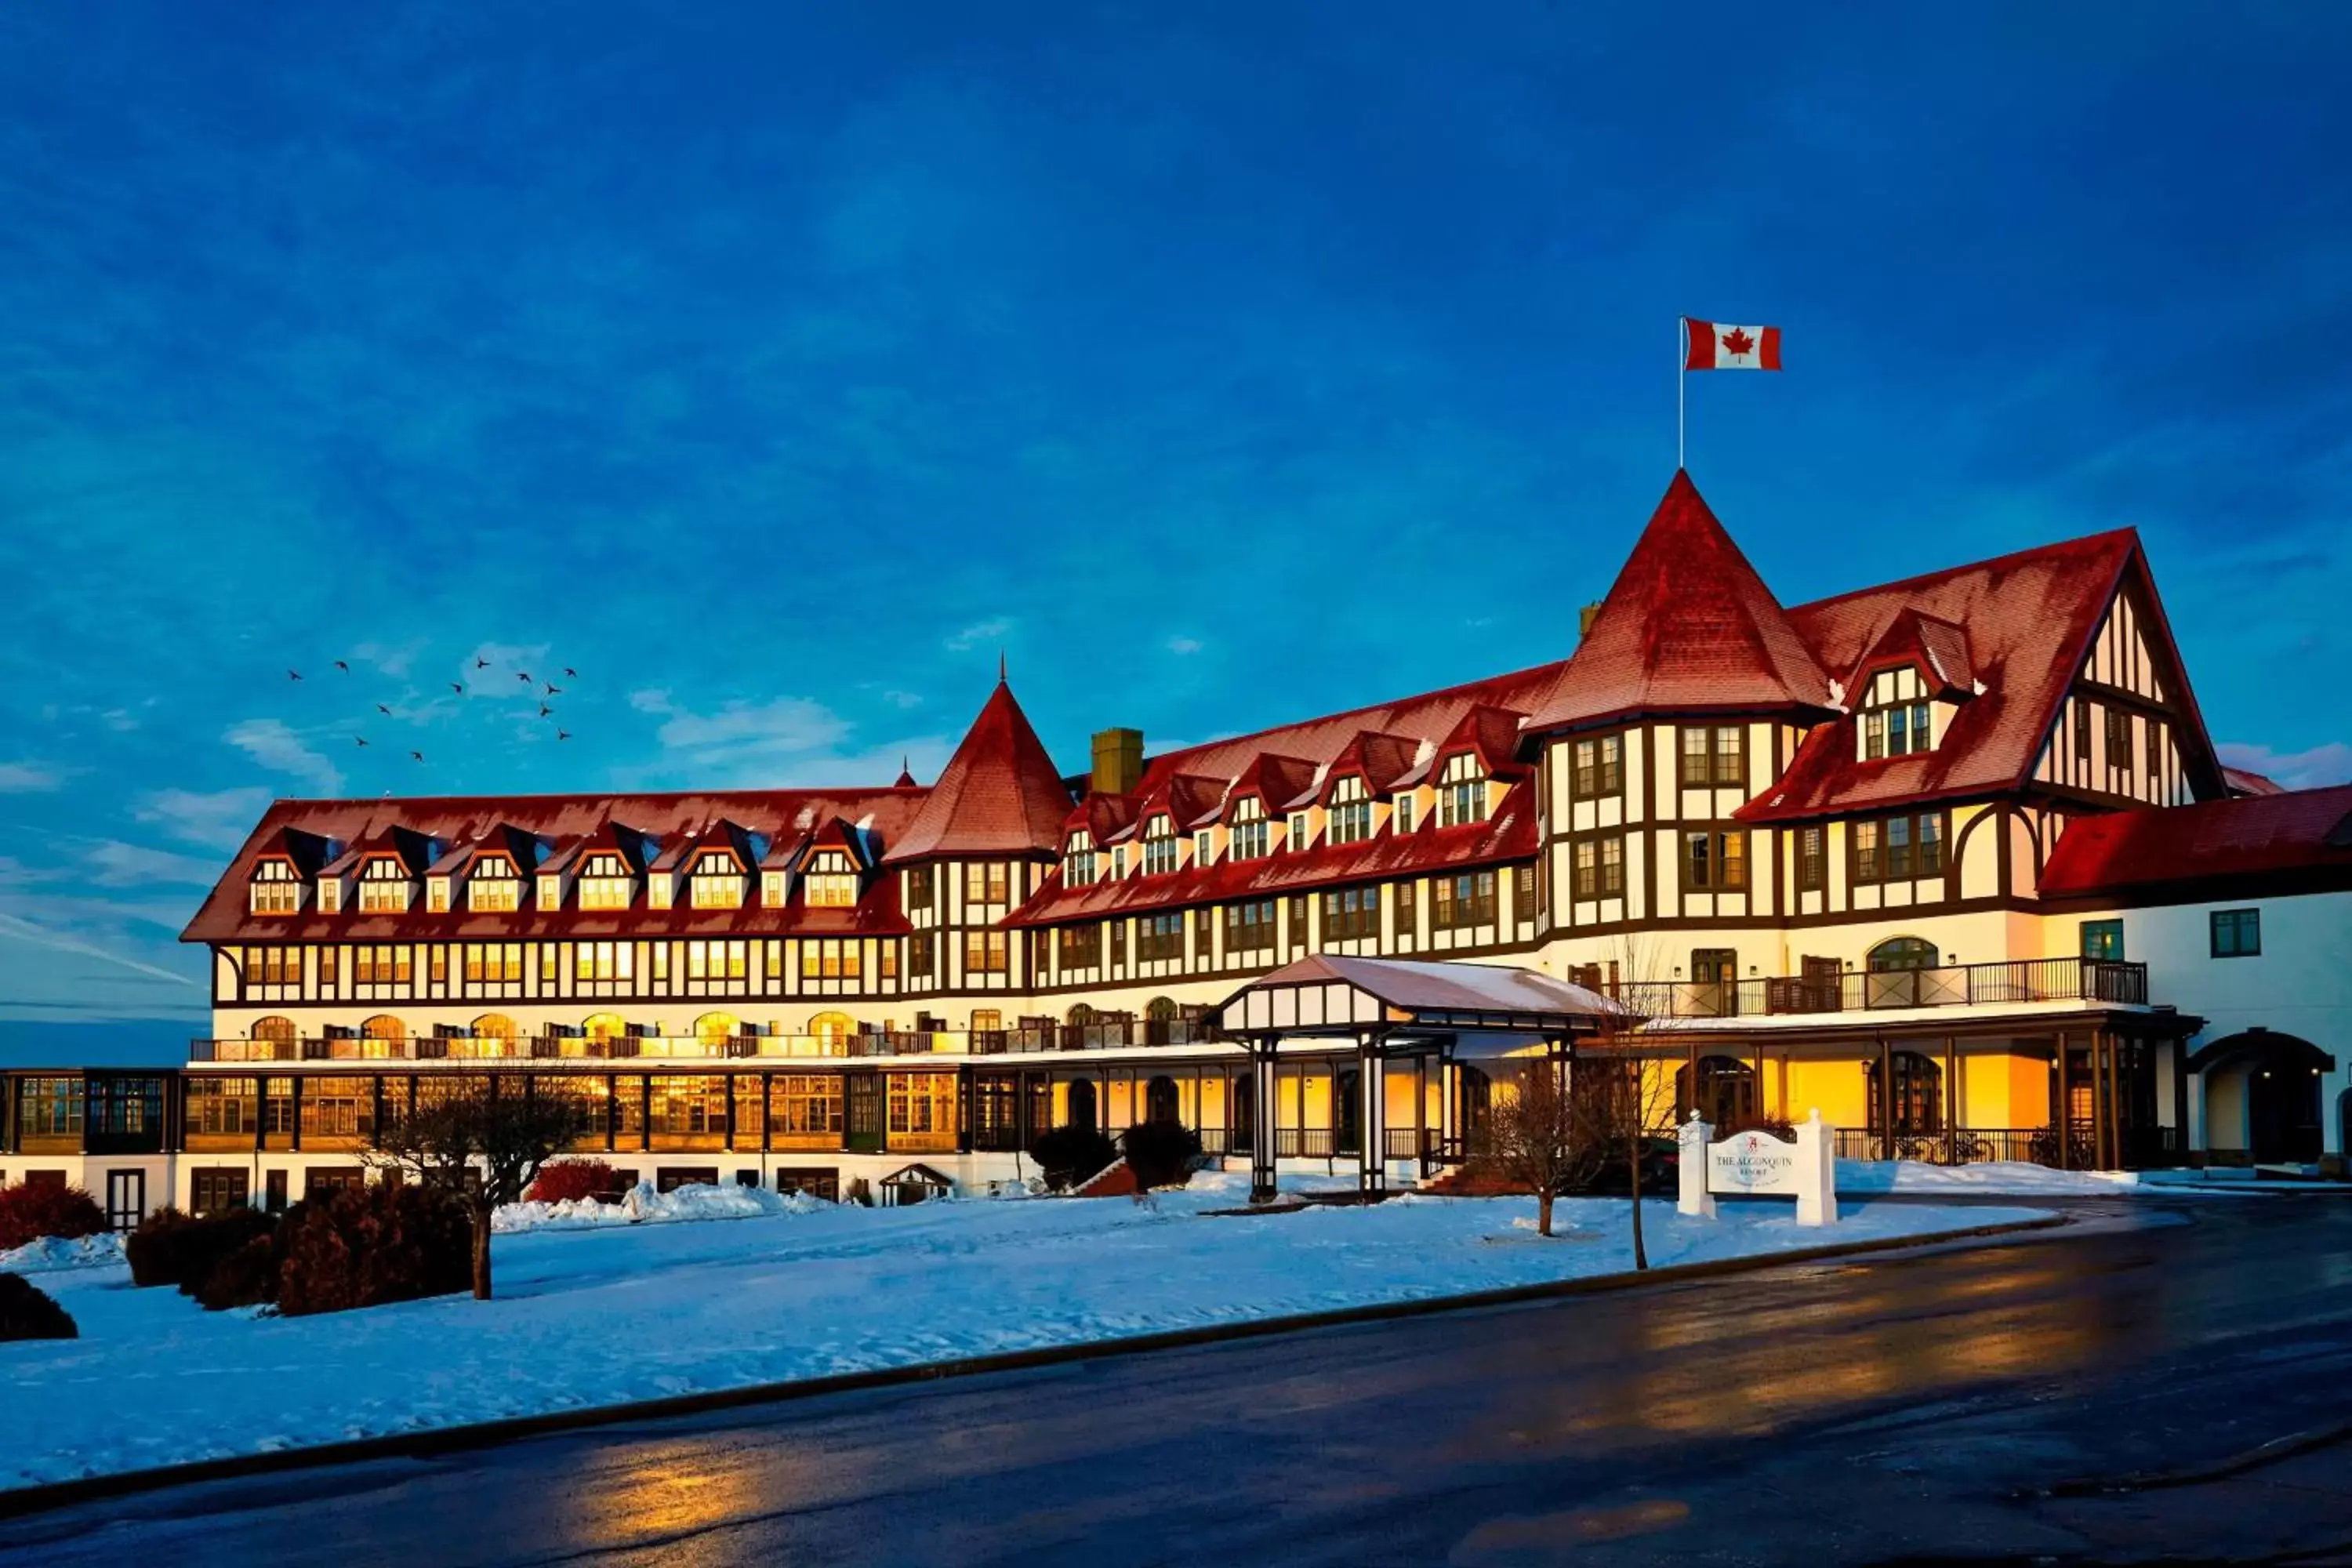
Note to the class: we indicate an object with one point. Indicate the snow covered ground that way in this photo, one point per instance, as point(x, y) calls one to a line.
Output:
point(1868, 1176)
point(617, 1312)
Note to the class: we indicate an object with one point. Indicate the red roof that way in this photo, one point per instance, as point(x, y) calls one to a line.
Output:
point(2029, 618)
point(999, 795)
point(564, 821)
point(2294, 840)
point(1509, 834)
point(2245, 781)
point(1688, 627)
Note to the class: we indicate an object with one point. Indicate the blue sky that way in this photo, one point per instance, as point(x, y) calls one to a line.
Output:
point(775, 366)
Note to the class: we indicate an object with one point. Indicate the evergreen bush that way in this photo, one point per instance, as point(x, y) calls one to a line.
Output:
point(28, 1213)
point(1069, 1155)
point(370, 1246)
point(1160, 1154)
point(27, 1313)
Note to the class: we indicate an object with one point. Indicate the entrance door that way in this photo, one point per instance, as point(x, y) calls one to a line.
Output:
point(126, 1199)
point(2283, 1114)
point(1713, 972)
point(1081, 1103)
point(1348, 1089)
point(862, 1113)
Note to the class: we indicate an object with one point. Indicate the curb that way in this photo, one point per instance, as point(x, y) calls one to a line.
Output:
point(43, 1497)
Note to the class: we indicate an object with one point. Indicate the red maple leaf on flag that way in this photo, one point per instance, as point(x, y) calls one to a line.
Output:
point(1737, 342)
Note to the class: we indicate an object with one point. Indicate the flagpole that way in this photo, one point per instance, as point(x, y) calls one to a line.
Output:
point(1682, 375)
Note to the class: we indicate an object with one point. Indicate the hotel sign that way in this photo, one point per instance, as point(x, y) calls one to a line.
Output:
point(1753, 1163)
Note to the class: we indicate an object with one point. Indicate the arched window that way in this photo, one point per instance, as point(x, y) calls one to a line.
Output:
point(1725, 1094)
point(1160, 1100)
point(1080, 1013)
point(1081, 1104)
point(832, 1029)
point(1160, 1009)
point(717, 1028)
point(1904, 952)
point(604, 1026)
point(497, 1033)
point(383, 1026)
point(273, 1028)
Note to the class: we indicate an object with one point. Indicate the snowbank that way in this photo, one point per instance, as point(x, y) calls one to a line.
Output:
point(643, 1205)
point(616, 1311)
point(54, 1252)
point(1992, 1176)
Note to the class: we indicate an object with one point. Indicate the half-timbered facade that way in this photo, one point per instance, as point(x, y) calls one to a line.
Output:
point(1902, 855)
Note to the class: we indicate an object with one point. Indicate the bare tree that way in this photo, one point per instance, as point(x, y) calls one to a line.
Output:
point(1533, 1138)
point(1617, 1099)
point(484, 1146)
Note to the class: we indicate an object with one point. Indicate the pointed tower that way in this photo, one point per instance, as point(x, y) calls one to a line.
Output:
point(999, 795)
point(1687, 627)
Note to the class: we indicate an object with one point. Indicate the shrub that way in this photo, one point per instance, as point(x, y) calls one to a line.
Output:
point(1160, 1154)
point(28, 1213)
point(375, 1245)
point(567, 1181)
point(27, 1313)
point(183, 1249)
point(1067, 1155)
point(246, 1277)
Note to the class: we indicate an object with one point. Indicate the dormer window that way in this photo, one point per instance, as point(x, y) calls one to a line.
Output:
point(493, 888)
point(383, 888)
point(1159, 850)
point(831, 882)
point(1349, 819)
point(1462, 797)
point(1078, 866)
point(772, 889)
point(717, 881)
point(1898, 720)
point(1204, 847)
point(276, 889)
point(1247, 839)
point(1296, 837)
point(1404, 823)
point(606, 883)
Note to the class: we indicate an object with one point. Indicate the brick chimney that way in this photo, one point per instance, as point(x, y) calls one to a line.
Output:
point(1584, 620)
point(1119, 760)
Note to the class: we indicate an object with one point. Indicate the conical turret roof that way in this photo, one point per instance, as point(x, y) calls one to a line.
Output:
point(1688, 627)
point(999, 795)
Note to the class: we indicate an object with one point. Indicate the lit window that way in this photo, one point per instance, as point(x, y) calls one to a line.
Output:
point(718, 882)
point(276, 889)
point(984, 883)
point(1247, 840)
point(606, 883)
point(1599, 766)
point(1714, 861)
point(831, 882)
point(1078, 865)
point(383, 888)
point(1160, 852)
point(1249, 927)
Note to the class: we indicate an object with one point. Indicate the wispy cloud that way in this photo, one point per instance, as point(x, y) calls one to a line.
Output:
point(1181, 645)
point(112, 863)
point(219, 818)
point(977, 634)
point(30, 778)
point(275, 746)
point(2329, 764)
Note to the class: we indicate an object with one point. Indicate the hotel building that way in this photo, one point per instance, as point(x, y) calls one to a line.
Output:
point(1951, 860)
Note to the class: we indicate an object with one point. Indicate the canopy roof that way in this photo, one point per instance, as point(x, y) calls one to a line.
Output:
point(1326, 994)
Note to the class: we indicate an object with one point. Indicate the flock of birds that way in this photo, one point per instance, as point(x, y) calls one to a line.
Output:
point(548, 689)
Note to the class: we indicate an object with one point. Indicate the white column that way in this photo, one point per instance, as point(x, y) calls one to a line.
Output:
point(1816, 1172)
point(1697, 1199)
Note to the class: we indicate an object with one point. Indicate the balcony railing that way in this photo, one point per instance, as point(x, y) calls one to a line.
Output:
point(2024, 1145)
point(2010, 983)
point(565, 1047)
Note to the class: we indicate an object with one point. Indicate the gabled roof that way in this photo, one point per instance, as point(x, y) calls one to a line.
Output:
point(307, 851)
point(522, 823)
point(1488, 733)
point(1687, 627)
point(2031, 618)
point(2245, 781)
point(1188, 799)
point(414, 851)
point(1935, 648)
point(681, 853)
point(1509, 836)
point(635, 848)
point(1380, 760)
point(1101, 815)
point(999, 795)
point(1278, 782)
point(1407, 991)
point(2294, 841)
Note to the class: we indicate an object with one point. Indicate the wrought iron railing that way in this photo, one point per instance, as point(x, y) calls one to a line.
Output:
point(2012, 982)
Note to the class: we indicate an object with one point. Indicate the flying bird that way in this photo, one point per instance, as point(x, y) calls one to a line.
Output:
point(564, 734)
point(552, 689)
point(544, 711)
point(524, 678)
point(459, 687)
point(341, 666)
point(293, 674)
point(418, 755)
point(481, 663)
point(383, 710)
point(361, 738)
point(568, 670)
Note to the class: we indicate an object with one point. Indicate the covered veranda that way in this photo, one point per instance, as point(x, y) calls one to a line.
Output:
point(1429, 1014)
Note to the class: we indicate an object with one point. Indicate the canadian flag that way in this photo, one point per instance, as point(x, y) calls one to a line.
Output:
point(1714, 346)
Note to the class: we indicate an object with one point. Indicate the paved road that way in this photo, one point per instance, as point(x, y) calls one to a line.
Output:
point(1895, 1408)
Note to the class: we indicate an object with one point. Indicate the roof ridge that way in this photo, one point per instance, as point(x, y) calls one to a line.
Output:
point(1918, 578)
point(1429, 695)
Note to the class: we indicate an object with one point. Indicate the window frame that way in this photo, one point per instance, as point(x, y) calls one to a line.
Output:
point(2240, 923)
